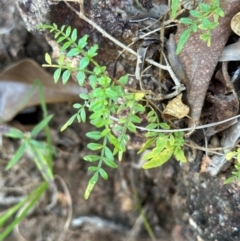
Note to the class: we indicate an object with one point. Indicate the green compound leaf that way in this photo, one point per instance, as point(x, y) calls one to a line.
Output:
point(93, 169)
point(179, 155)
point(123, 80)
point(65, 46)
point(237, 167)
point(74, 35)
point(109, 163)
point(94, 146)
point(161, 143)
point(171, 140)
point(82, 42)
point(147, 144)
point(17, 155)
point(159, 159)
point(230, 179)
point(97, 70)
point(183, 39)
point(83, 115)
point(98, 93)
point(139, 108)
point(81, 78)
point(220, 12)
point(63, 27)
point(151, 113)
point(65, 76)
point(205, 25)
point(103, 174)
point(151, 126)
point(77, 106)
point(61, 39)
point(57, 34)
point(96, 135)
point(91, 158)
point(108, 153)
point(195, 14)
point(135, 119)
point(111, 94)
point(56, 75)
point(204, 7)
point(61, 59)
point(68, 31)
point(84, 96)
point(92, 182)
point(83, 63)
point(69, 122)
point(93, 81)
point(194, 27)
point(131, 127)
point(92, 52)
point(73, 52)
point(48, 59)
point(114, 141)
point(187, 21)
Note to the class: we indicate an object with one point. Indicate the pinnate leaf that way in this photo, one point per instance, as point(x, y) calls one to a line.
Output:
point(159, 159)
point(48, 59)
point(92, 182)
point(56, 75)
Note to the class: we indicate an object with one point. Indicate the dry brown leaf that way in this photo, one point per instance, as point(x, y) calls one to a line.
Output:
point(235, 24)
point(199, 61)
point(16, 82)
point(175, 109)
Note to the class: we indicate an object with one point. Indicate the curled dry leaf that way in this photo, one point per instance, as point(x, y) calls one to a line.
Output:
point(17, 81)
point(235, 24)
point(175, 109)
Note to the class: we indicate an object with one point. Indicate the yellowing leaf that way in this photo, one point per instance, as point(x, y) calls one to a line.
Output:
point(48, 59)
point(230, 155)
point(139, 96)
point(160, 159)
point(179, 155)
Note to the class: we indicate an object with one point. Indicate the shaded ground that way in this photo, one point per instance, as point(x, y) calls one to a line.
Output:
point(113, 201)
